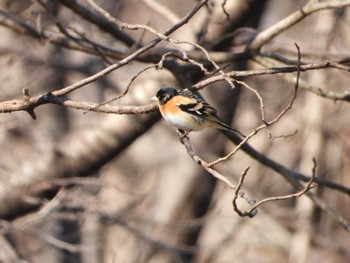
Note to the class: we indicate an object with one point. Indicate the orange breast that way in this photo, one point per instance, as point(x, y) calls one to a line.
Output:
point(180, 119)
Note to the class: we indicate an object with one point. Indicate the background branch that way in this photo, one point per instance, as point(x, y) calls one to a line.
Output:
point(76, 177)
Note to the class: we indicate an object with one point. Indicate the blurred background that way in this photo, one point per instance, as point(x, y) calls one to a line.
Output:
point(78, 186)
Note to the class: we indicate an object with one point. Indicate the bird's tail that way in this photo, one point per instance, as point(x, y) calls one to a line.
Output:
point(223, 126)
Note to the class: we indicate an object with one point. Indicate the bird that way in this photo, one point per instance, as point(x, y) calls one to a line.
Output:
point(188, 112)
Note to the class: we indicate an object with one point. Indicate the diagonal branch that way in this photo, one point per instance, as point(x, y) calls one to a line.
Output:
point(79, 154)
point(311, 7)
point(133, 55)
point(98, 20)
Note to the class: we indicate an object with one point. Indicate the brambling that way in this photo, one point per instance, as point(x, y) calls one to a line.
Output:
point(187, 111)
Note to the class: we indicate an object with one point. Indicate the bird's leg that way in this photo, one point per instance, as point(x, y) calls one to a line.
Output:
point(182, 134)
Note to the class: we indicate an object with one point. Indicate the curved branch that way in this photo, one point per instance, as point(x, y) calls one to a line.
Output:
point(294, 177)
point(310, 185)
point(311, 7)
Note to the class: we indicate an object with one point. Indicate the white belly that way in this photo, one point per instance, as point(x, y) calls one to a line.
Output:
point(185, 122)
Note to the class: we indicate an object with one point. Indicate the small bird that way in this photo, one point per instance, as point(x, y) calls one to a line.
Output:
point(187, 111)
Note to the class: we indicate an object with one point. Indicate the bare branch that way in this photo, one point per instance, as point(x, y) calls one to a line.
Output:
point(98, 20)
point(186, 142)
point(274, 69)
point(49, 98)
point(266, 123)
point(253, 210)
point(342, 96)
point(132, 56)
point(311, 7)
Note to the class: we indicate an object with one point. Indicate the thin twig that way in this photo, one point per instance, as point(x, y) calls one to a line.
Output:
point(132, 56)
point(252, 212)
point(126, 90)
point(290, 105)
point(266, 124)
point(184, 139)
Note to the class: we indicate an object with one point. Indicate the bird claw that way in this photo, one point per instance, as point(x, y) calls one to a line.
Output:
point(182, 134)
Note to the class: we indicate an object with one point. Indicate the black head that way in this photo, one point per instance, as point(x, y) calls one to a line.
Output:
point(165, 94)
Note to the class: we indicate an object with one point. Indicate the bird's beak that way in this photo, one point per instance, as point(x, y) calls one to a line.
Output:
point(155, 99)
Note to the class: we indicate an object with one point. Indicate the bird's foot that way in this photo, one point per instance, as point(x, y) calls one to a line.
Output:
point(182, 134)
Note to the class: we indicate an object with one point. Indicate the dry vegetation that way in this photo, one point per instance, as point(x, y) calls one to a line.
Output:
point(90, 173)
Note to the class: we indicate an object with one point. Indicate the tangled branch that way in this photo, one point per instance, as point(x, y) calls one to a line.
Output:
point(252, 212)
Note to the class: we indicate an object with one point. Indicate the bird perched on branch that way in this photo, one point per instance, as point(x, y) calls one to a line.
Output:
point(187, 111)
